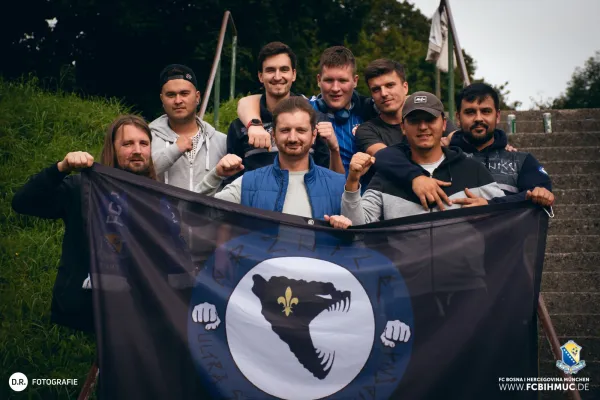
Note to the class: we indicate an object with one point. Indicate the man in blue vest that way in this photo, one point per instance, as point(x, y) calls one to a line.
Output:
point(293, 184)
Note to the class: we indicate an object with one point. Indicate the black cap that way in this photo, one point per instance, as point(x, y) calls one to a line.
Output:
point(424, 101)
point(177, 71)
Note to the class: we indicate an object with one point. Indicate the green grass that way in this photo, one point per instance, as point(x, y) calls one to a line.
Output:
point(38, 128)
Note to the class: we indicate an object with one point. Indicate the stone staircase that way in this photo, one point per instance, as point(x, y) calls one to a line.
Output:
point(571, 277)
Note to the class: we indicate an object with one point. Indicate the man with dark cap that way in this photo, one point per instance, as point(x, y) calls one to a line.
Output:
point(184, 147)
point(423, 123)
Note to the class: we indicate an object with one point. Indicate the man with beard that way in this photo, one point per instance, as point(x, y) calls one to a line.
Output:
point(277, 73)
point(293, 184)
point(343, 107)
point(54, 193)
point(181, 132)
point(423, 123)
point(518, 173)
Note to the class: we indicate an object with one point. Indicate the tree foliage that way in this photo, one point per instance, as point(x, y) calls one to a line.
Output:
point(117, 49)
point(583, 90)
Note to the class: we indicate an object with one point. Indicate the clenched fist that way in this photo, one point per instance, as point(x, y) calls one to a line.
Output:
point(338, 221)
point(75, 161)
point(184, 143)
point(325, 130)
point(229, 166)
point(258, 137)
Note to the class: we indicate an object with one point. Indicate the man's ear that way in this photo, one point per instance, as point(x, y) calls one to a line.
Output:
point(197, 97)
point(497, 117)
point(319, 80)
point(355, 80)
point(294, 76)
point(260, 77)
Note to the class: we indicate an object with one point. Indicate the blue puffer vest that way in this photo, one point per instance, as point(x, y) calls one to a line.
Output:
point(266, 187)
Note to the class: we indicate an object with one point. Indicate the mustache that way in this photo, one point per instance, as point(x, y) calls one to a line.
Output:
point(479, 124)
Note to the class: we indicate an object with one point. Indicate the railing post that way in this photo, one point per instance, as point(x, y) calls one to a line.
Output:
point(217, 95)
point(451, 105)
point(232, 78)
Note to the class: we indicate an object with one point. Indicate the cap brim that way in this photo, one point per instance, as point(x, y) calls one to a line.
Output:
point(435, 113)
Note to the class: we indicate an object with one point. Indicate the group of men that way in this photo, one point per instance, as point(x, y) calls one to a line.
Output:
point(339, 156)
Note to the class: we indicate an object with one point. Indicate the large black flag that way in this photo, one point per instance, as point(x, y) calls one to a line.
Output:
point(196, 298)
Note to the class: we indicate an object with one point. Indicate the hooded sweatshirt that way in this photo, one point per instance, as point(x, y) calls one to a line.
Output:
point(386, 199)
point(172, 167)
point(515, 171)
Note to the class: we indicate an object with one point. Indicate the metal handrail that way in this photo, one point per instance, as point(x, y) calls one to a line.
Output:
point(215, 71)
point(457, 48)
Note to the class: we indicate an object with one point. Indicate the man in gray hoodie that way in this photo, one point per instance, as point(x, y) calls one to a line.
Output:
point(184, 148)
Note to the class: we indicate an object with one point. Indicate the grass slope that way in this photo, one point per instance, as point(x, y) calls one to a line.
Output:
point(37, 129)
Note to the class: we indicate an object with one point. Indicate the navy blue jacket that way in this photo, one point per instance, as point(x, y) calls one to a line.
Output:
point(515, 171)
point(266, 187)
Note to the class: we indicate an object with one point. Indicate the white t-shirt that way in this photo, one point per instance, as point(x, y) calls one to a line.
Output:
point(430, 167)
point(296, 198)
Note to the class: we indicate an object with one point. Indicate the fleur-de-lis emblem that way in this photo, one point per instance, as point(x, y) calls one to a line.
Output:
point(288, 301)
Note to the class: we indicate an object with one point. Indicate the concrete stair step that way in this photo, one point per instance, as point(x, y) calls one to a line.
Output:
point(572, 243)
point(572, 302)
point(523, 140)
point(576, 196)
point(574, 325)
point(572, 262)
point(565, 281)
point(574, 226)
point(572, 211)
point(575, 181)
point(560, 126)
point(590, 348)
point(578, 153)
point(563, 115)
point(571, 167)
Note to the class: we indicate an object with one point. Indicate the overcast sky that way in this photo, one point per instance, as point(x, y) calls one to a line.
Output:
point(535, 45)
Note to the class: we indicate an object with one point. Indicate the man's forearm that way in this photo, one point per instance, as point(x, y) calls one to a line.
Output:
point(335, 161)
point(164, 158)
point(248, 108)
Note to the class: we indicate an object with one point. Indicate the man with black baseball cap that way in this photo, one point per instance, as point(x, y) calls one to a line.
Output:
point(423, 123)
point(184, 147)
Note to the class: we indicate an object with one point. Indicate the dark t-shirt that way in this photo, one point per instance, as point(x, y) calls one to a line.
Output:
point(377, 131)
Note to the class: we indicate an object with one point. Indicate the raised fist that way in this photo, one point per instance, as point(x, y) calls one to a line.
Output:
point(258, 137)
point(395, 331)
point(206, 313)
point(184, 143)
point(325, 130)
point(359, 165)
point(75, 161)
point(229, 165)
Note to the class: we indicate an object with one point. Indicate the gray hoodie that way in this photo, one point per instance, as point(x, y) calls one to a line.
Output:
point(176, 170)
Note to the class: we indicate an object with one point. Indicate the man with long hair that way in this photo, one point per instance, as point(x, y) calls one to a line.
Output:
point(54, 193)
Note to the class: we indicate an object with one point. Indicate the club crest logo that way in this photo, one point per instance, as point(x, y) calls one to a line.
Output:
point(420, 99)
point(571, 362)
point(299, 317)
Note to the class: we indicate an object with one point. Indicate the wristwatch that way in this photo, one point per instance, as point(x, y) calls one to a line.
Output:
point(254, 122)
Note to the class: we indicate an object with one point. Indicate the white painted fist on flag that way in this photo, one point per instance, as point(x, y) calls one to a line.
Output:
point(206, 313)
point(395, 331)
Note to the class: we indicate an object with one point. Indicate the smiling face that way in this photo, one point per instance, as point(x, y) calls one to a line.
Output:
point(337, 85)
point(277, 75)
point(180, 98)
point(478, 120)
point(423, 130)
point(132, 149)
point(389, 92)
point(293, 134)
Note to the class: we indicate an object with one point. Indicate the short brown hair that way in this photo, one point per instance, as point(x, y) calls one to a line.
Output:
point(291, 104)
point(337, 56)
point(108, 156)
point(384, 66)
point(273, 49)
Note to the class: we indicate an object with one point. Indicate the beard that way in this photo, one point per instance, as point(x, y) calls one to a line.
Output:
point(479, 140)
